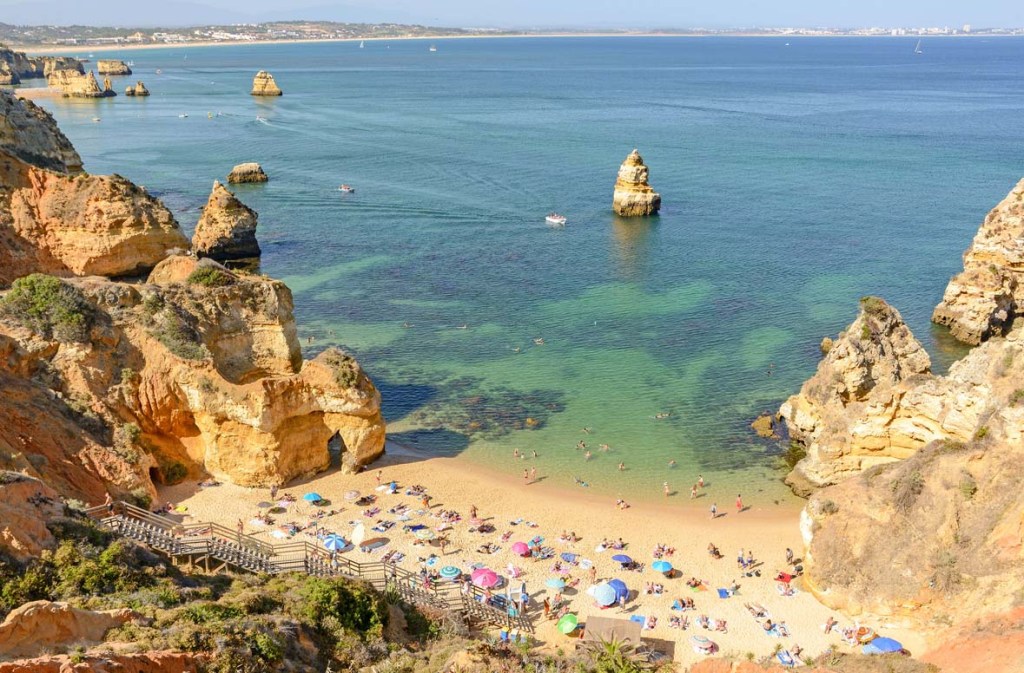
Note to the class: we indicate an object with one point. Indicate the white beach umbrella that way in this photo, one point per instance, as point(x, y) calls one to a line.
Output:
point(358, 534)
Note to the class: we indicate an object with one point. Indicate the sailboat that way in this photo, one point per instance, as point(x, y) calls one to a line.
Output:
point(917, 49)
point(361, 44)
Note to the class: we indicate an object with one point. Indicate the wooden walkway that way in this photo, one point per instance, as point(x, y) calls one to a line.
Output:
point(215, 548)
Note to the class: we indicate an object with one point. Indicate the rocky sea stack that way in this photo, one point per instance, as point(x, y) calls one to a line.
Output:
point(983, 300)
point(633, 196)
point(75, 85)
point(112, 67)
point(138, 90)
point(263, 84)
point(247, 172)
point(226, 229)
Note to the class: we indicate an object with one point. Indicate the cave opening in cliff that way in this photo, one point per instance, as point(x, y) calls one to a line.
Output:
point(155, 476)
point(336, 448)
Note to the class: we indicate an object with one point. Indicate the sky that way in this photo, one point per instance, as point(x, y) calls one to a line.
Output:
point(528, 13)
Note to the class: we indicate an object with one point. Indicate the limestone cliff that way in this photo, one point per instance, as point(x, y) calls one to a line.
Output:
point(105, 662)
point(633, 195)
point(76, 85)
point(263, 84)
point(226, 229)
point(16, 66)
point(853, 413)
point(42, 624)
point(26, 505)
point(30, 134)
point(112, 67)
point(983, 300)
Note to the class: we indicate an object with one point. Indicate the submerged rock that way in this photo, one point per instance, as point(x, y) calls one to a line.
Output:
point(226, 229)
point(263, 84)
point(983, 300)
point(248, 172)
point(633, 195)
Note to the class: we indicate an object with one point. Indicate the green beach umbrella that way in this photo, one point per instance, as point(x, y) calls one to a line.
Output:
point(568, 623)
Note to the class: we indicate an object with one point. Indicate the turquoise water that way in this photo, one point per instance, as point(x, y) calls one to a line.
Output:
point(794, 180)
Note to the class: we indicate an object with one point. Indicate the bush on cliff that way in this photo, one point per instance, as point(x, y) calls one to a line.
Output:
point(50, 307)
point(210, 276)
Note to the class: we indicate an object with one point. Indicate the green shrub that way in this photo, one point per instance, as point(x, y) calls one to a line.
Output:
point(208, 613)
point(968, 486)
point(210, 276)
point(1016, 396)
point(344, 366)
point(266, 649)
point(174, 473)
point(981, 433)
point(140, 497)
point(174, 332)
point(873, 305)
point(126, 438)
point(865, 331)
point(50, 307)
point(353, 606)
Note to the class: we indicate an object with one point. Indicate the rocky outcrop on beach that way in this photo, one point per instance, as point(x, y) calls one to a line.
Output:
point(858, 410)
point(44, 624)
point(226, 229)
point(138, 90)
point(633, 195)
point(263, 84)
point(112, 67)
point(76, 85)
point(247, 172)
point(16, 66)
point(29, 133)
point(984, 299)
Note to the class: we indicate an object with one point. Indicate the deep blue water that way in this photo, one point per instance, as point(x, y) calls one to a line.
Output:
point(795, 179)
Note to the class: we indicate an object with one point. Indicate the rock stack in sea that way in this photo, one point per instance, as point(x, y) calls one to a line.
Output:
point(226, 229)
point(263, 84)
point(138, 90)
point(247, 172)
point(633, 196)
point(76, 85)
point(112, 67)
point(983, 300)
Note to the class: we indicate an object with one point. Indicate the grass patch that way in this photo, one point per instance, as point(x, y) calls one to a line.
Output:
point(344, 366)
point(49, 307)
point(905, 490)
point(874, 306)
point(210, 276)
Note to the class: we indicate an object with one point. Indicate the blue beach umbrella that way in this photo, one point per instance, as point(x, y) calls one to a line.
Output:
point(450, 572)
point(603, 594)
point(882, 646)
point(312, 497)
point(661, 566)
point(622, 558)
point(334, 542)
point(621, 591)
point(556, 583)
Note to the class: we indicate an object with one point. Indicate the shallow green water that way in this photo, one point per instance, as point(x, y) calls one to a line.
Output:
point(794, 179)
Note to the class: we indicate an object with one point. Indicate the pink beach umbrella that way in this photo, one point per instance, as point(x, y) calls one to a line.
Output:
point(521, 548)
point(485, 578)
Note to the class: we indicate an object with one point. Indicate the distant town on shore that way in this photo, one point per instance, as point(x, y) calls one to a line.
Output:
point(327, 30)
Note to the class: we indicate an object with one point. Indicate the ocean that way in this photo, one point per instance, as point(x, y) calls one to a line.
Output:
point(797, 175)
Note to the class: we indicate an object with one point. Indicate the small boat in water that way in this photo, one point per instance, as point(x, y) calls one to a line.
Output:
point(555, 218)
point(361, 44)
point(917, 49)
point(182, 116)
point(96, 119)
point(346, 189)
point(433, 48)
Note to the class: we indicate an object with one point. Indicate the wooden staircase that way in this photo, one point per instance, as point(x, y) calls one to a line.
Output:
point(215, 548)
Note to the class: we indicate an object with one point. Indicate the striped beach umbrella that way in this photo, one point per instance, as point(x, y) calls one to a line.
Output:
point(450, 572)
point(334, 542)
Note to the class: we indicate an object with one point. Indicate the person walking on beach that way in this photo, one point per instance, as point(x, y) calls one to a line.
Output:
point(693, 491)
point(666, 489)
point(472, 511)
point(622, 467)
point(241, 529)
point(547, 608)
point(109, 502)
point(789, 556)
point(515, 453)
point(700, 480)
point(533, 474)
point(526, 476)
point(443, 541)
point(535, 454)
point(739, 503)
point(714, 511)
point(380, 473)
point(592, 574)
point(273, 492)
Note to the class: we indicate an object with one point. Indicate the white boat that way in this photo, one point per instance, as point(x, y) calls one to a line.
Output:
point(433, 48)
point(130, 63)
point(96, 119)
point(361, 44)
point(182, 116)
point(917, 49)
point(346, 189)
point(555, 218)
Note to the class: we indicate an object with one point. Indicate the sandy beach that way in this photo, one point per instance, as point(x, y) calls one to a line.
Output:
point(547, 511)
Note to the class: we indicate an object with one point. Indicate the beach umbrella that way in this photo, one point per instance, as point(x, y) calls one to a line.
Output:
point(603, 594)
point(622, 558)
point(425, 534)
point(334, 542)
point(312, 497)
point(556, 583)
point(450, 572)
point(568, 623)
point(621, 591)
point(358, 534)
point(662, 566)
point(351, 495)
point(485, 578)
point(265, 504)
point(882, 646)
point(521, 548)
point(702, 643)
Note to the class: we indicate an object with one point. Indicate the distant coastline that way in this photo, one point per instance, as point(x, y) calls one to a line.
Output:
point(80, 49)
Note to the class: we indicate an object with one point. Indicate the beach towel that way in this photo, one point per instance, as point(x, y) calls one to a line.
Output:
point(586, 563)
point(639, 619)
point(676, 605)
point(415, 527)
point(569, 557)
point(724, 593)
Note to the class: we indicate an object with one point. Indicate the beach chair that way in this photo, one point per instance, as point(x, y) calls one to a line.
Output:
point(724, 593)
point(786, 659)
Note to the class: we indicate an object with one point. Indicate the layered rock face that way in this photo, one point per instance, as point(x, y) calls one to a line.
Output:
point(247, 172)
point(112, 67)
point(138, 90)
point(263, 84)
point(16, 66)
point(226, 229)
point(633, 195)
point(146, 662)
point(42, 624)
point(76, 85)
point(983, 300)
point(29, 133)
point(26, 505)
point(859, 409)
